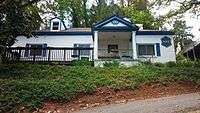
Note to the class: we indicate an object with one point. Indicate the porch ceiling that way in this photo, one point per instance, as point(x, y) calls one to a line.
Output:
point(114, 35)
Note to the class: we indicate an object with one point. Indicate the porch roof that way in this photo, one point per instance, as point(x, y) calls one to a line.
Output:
point(115, 23)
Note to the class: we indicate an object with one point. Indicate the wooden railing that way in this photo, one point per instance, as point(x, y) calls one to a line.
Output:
point(49, 54)
point(115, 54)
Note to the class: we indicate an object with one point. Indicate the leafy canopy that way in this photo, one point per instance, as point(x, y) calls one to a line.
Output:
point(17, 17)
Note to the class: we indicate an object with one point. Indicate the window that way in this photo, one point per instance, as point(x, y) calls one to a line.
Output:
point(82, 52)
point(55, 26)
point(146, 50)
point(38, 51)
point(112, 48)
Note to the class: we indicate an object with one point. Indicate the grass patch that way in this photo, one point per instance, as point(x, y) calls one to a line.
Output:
point(31, 85)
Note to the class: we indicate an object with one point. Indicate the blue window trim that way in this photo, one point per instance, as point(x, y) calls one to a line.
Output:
point(158, 49)
point(99, 25)
point(153, 44)
point(154, 33)
point(62, 33)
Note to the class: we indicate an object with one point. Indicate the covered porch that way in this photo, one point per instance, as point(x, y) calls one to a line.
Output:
point(115, 45)
point(114, 39)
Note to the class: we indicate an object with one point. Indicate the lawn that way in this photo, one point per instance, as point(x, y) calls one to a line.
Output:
point(30, 85)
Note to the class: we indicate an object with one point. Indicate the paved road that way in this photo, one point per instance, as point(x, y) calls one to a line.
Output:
point(160, 105)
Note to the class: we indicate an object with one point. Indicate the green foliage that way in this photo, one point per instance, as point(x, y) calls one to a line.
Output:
point(185, 63)
point(111, 64)
point(18, 18)
point(171, 64)
point(141, 17)
point(31, 85)
point(148, 62)
point(182, 36)
point(102, 10)
point(84, 16)
point(180, 57)
point(84, 62)
point(159, 64)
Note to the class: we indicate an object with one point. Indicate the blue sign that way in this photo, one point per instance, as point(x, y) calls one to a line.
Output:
point(115, 22)
point(166, 41)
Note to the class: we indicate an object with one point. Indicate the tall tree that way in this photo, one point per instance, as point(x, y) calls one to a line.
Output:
point(141, 16)
point(17, 17)
point(102, 10)
point(77, 9)
point(182, 7)
point(182, 35)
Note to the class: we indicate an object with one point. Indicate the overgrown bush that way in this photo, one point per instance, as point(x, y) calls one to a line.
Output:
point(180, 57)
point(159, 64)
point(185, 63)
point(30, 85)
point(111, 64)
point(197, 63)
point(171, 64)
point(83, 62)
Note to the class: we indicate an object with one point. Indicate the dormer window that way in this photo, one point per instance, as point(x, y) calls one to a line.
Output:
point(55, 26)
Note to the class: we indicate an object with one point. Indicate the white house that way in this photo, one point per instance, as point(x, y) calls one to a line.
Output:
point(113, 38)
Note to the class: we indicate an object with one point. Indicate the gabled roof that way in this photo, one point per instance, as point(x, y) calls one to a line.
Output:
point(60, 20)
point(119, 19)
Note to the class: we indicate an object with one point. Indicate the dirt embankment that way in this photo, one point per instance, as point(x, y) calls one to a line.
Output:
point(104, 96)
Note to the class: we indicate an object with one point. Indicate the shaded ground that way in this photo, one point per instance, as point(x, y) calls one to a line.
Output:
point(105, 96)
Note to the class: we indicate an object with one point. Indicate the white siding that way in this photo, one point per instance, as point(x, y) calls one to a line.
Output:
point(55, 41)
point(167, 53)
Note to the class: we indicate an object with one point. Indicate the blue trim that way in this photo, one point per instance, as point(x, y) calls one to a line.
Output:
point(99, 25)
point(62, 33)
point(158, 49)
point(154, 33)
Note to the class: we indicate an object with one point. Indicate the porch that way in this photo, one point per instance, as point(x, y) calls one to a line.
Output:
point(47, 55)
point(115, 45)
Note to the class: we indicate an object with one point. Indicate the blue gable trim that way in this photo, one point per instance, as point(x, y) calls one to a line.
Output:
point(154, 33)
point(99, 26)
point(62, 33)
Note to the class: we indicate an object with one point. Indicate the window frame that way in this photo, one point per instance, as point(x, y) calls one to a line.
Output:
point(146, 44)
point(56, 26)
point(76, 53)
point(29, 50)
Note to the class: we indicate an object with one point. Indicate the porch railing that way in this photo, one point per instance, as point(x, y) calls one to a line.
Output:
point(115, 54)
point(49, 54)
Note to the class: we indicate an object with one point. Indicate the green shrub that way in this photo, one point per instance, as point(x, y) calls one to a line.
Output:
point(197, 63)
point(83, 62)
point(159, 64)
point(147, 62)
point(180, 57)
point(111, 64)
point(30, 85)
point(185, 63)
point(171, 64)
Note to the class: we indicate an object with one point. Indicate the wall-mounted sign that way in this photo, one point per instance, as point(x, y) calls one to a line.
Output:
point(115, 22)
point(166, 41)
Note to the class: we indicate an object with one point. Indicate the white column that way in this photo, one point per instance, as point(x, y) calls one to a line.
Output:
point(95, 45)
point(134, 47)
